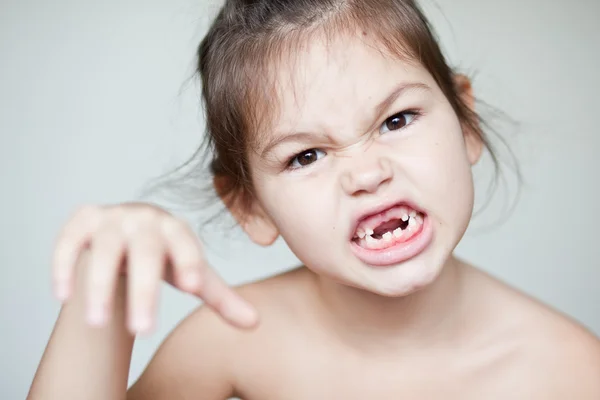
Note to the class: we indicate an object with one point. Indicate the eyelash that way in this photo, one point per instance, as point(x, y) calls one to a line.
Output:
point(415, 114)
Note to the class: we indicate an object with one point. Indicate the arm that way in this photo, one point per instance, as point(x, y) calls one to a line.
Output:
point(127, 251)
point(84, 362)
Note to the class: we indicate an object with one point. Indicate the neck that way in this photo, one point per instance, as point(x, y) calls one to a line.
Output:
point(367, 321)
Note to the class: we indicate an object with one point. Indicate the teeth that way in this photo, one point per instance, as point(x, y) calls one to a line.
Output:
point(411, 216)
point(387, 236)
point(370, 240)
point(397, 232)
point(412, 224)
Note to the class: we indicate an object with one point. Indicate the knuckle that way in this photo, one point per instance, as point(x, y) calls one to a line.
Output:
point(133, 222)
point(148, 245)
point(147, 214)
point(172, 225)
point(109, 236)
point(75, 225)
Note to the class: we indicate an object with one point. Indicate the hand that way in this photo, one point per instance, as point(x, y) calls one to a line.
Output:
point(147, 244)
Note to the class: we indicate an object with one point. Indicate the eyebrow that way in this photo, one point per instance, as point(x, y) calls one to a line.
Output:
point(379, 110)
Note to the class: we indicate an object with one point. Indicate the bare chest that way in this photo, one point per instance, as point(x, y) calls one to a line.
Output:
point(445, 379)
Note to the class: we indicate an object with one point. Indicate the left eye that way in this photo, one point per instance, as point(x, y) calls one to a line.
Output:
point(398, 121)
point(306, 158)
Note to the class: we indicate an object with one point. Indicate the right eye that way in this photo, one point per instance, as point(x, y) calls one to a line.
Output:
point(305, 158)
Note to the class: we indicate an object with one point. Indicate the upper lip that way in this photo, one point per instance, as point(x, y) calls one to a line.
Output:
point(376, 209)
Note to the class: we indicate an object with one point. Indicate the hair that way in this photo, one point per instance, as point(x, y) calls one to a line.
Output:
point(249, 39)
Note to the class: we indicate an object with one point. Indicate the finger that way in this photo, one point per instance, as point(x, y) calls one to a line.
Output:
point(225, 301)
point(70, 242)
point(185, 255)
point(193, 274)
point(106, 257)
point(146, 259)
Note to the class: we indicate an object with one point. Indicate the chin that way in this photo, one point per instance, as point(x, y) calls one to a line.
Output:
point(403, 280)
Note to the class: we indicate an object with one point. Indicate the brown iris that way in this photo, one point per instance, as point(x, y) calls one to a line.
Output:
point(395, 122)
point(308, 157)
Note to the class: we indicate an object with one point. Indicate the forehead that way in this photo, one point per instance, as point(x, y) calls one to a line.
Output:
point(331, 81)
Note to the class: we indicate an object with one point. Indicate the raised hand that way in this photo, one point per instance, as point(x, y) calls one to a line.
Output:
point(145, 244)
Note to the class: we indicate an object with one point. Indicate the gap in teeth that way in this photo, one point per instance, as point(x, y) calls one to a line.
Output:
point(409, 221)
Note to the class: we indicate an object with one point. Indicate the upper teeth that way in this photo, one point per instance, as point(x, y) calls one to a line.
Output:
point(413, 220)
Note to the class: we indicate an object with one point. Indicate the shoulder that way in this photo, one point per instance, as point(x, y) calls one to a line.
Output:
point(203, 352)
point(194, 358)
point(557, 357)
point(565, 359)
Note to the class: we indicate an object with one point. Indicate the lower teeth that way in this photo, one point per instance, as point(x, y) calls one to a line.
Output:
point(369, 241)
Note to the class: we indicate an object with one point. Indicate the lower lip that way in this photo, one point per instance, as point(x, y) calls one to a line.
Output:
point(398, 253)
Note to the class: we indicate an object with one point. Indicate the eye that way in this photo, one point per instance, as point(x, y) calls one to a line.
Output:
point(306, 158)
point(398, 121)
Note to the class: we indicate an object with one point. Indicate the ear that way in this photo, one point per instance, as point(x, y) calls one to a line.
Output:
point(253, 219)
point(473, 139)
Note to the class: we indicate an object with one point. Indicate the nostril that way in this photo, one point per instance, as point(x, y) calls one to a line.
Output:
point(360, 193)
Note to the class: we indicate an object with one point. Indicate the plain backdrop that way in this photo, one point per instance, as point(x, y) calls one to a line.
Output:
point(94, 102)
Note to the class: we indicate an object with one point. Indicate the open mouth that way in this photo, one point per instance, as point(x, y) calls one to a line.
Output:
point(395, 225)
point(392, 236)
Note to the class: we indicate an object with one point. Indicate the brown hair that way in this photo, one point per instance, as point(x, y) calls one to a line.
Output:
point(249, 37)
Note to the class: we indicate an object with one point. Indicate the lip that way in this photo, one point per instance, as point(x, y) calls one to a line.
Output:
point(379, 209)
point(398, 253)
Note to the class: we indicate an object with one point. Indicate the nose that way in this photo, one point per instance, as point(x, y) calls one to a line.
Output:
point(366, 175)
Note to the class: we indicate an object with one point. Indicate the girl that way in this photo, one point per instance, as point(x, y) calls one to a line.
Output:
point(337, 125)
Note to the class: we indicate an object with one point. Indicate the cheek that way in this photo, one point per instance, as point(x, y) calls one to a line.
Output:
point(302, 209)
point(445, 175)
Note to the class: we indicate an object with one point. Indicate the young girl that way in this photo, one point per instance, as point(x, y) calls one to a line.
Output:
point(337, 125)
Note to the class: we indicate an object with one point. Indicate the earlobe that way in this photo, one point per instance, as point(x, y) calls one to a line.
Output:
point(472, 132)
point(259, 227)
point(252, 218)
point(474, 146)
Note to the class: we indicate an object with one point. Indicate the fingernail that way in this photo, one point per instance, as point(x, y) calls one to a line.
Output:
point(244, 313)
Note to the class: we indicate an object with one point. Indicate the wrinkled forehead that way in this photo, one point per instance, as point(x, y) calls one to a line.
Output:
point(324, 77)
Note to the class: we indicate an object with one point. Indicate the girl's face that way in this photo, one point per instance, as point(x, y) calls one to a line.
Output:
point(366, 172)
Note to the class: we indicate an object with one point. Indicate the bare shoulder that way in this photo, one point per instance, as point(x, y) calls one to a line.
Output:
point(203, 353)
point(564, 356)
point(194, 358)
point(556, 355)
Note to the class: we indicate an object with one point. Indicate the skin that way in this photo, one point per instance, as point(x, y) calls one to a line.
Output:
point(431, 327)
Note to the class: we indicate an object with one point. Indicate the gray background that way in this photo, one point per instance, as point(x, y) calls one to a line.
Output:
point(93, 104)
